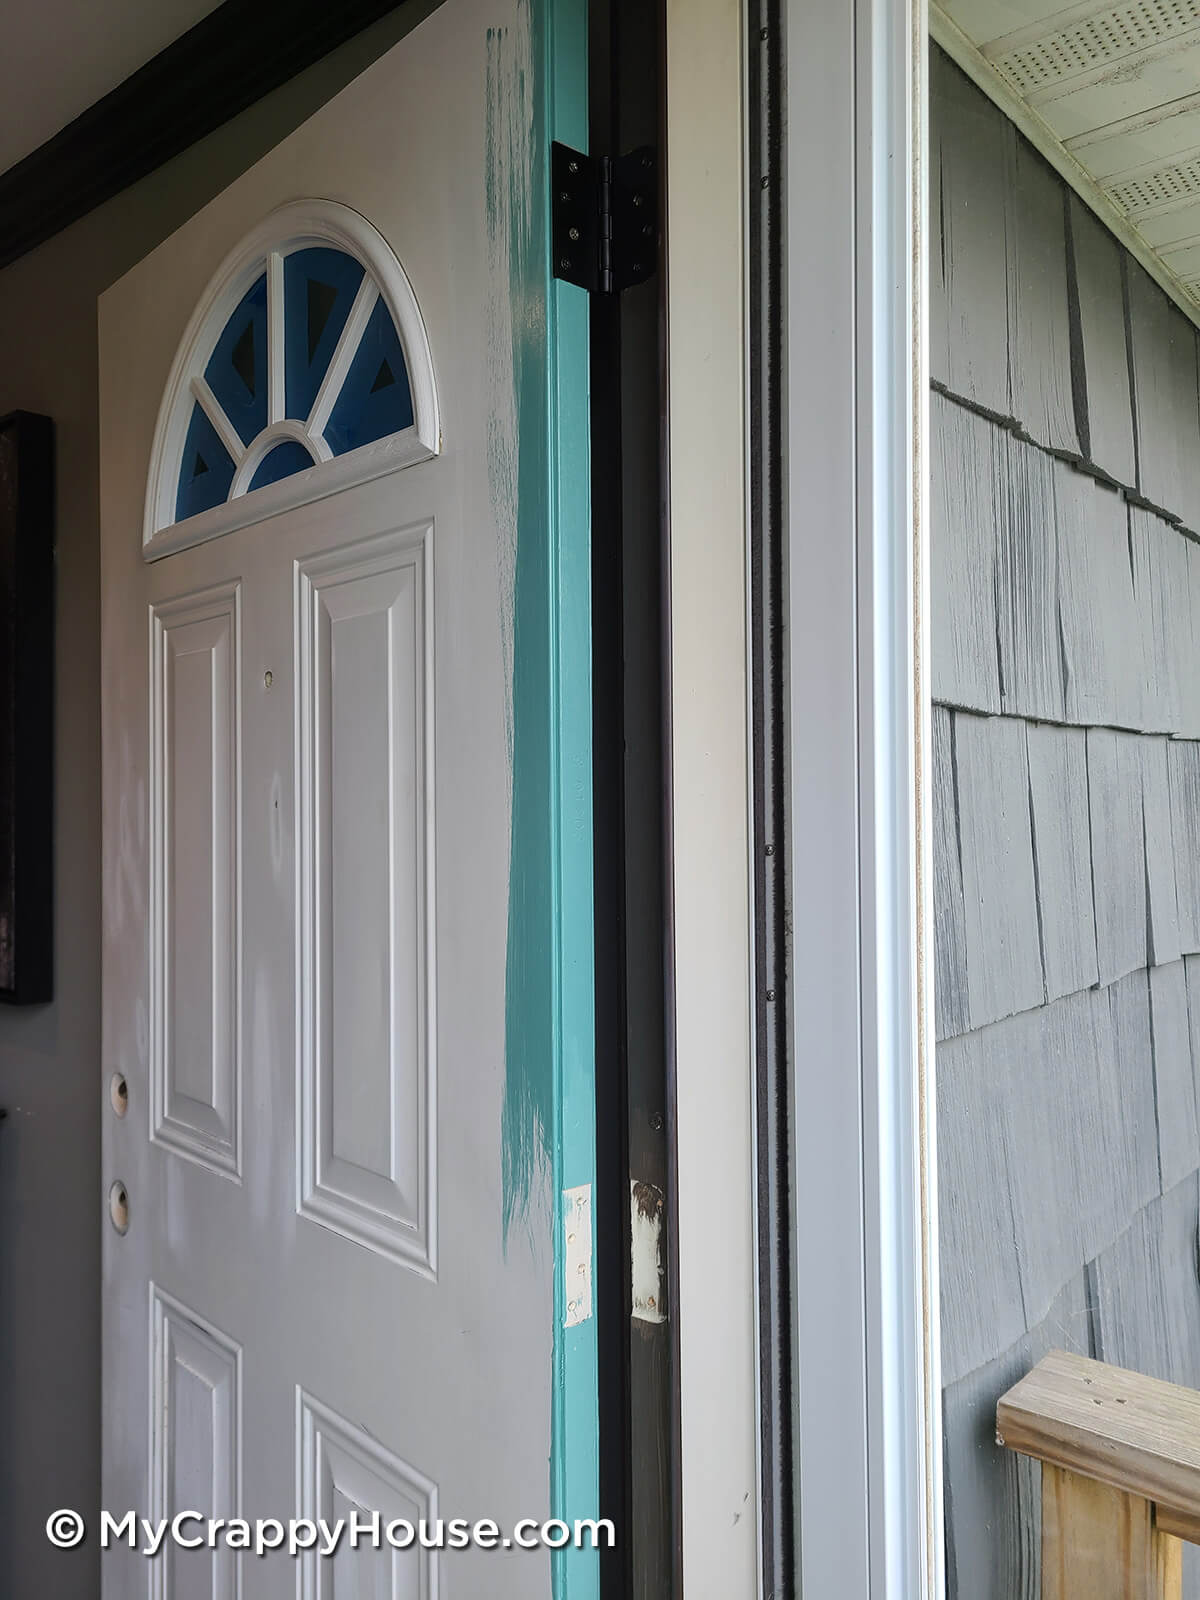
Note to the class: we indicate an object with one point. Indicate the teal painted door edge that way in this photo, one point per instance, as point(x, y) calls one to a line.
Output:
point(575, 1462)
point(537, 92)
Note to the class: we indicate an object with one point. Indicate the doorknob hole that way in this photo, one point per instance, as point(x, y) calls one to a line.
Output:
point(118, 1207)
point(118, 1093)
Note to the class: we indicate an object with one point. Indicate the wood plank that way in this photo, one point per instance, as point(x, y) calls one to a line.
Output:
point(950, 959)
point(1190, 724)
point(1076, 1109)
point(1031, 662)
point(1080, 1140)
point(982, 1309)
point(1129, 1316)
point(1178, 1214)
point(1103, 357)
point(1103, 657)
point(965, 487)
point(1134, 1433)
point(971, 142)
point(1158, 557)
point(1039, 317)
point(1183, 783)
point(1058, 789)
point(1121, 1176)
point(1004, 966)
point(1118, 858)
point(1099, 1543)
point(1162, 906)
point(1174, 1081)
point(1163, 350)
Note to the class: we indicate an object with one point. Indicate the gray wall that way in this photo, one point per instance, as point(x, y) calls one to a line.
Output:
point(52, 1080)
point(1066, 678)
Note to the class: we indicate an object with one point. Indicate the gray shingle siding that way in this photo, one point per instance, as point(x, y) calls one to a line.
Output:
point(1065, 460)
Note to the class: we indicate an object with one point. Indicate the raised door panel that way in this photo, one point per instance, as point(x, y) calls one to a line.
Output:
point(347, 1476)
point(195, 932)
point(367, 1106)
point(195, 1440)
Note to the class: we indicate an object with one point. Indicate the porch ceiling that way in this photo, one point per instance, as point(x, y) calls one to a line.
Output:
point(1111, 94)
point(60, 56)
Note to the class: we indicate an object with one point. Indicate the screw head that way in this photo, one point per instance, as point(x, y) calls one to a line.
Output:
point(572, 166)
point(656, 1121)
point(572, 234)
point(565, 264)
point(639, 199)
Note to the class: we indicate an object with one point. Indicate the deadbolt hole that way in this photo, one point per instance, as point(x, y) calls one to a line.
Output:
point(118, 1207)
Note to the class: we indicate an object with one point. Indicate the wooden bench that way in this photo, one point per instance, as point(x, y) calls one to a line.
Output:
point(1120, 1458)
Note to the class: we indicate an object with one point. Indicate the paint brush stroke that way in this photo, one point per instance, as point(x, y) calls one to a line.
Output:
point(518, 441)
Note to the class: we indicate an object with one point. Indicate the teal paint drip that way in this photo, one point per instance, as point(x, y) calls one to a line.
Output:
point(540, 474)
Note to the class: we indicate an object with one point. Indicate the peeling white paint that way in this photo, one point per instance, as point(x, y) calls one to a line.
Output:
point(577, 1257)
point(645, 1251)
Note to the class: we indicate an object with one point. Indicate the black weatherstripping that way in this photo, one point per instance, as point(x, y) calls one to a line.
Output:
point(637, 1365)
point(767, 534)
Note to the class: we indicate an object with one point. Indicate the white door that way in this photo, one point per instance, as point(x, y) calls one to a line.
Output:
point(346, 1012)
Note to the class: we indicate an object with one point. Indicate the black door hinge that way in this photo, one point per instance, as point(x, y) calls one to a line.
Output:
point(604, 218)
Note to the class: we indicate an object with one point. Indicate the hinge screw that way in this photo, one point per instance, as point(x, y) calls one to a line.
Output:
point(572, 234)
point(572, 166)
point(770, 849)
point(770, 994)
point(564, 195)
point(565, 263)
point(639, 200)
point(656, 1121)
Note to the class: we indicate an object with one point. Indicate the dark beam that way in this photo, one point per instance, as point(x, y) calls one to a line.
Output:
point(230, 59)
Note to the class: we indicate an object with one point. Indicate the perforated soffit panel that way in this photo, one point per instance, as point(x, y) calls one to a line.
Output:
point(1111, 95)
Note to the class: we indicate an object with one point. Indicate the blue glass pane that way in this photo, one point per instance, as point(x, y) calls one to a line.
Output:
point(237, 369)
point(206, 471)
point(375, 399)
point(319, 286)
point(286, 458)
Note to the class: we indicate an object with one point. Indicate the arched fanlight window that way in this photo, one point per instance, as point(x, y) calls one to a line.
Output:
point(305, 368)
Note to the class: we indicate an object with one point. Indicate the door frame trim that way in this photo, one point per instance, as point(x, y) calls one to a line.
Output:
point(864, 1147)
point(708, 750)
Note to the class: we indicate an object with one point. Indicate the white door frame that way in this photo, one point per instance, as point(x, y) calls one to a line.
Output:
point(865, 1333)
point(864, 1153)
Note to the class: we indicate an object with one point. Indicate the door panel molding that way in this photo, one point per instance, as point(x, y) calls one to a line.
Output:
point(195, 795)
point(366, 1162)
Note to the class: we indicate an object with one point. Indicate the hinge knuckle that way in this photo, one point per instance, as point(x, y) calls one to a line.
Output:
point(604, 218)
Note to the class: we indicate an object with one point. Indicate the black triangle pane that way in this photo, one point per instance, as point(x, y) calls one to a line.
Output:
point(243, 357)
point(384, 378)
point(199, 466)
point(322, 297)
